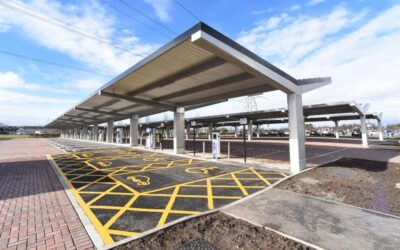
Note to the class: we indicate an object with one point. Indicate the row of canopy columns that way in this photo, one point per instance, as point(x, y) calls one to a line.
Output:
point(363, 129)
point(296, 131)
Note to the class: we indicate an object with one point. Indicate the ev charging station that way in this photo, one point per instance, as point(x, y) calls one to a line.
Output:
point(216, 144)
point(119, 135)
point(150, 140)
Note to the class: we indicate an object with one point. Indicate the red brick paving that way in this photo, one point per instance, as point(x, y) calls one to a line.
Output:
point(34, 209)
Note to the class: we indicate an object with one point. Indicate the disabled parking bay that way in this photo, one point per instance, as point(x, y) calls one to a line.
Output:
point(126, 191)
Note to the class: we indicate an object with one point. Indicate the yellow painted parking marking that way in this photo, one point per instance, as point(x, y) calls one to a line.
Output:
point(239, 184)
point(261, 177)
point(122, 233)
point(140, 180)
point(172, 193)
point(169, 207)
point(121, 212)
point(209, 195)
point(108, 191)
point(200, 170)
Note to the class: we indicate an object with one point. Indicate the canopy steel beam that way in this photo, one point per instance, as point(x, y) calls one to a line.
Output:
point(214, 84)
point(115, 114)
point(204, 66)
point(165, 106)
point(227, 95)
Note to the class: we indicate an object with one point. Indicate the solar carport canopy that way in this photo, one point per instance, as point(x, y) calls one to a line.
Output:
point(198, 68)
point(315, 112)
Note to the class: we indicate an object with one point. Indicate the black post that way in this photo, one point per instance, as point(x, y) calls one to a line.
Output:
point(161, 139)
point(244, 142)
point(194, 140)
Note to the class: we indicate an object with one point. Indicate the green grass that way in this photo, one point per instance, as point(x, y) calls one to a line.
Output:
point(7, 137)
point(13, 136)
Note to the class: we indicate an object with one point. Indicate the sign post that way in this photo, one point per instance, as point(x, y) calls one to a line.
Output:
point(161, 137)
point(243, 121)
point(193, 123)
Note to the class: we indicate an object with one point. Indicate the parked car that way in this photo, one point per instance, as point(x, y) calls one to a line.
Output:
point(315, 133)
point(373, 133)
point(327, 132)
point(356, 133)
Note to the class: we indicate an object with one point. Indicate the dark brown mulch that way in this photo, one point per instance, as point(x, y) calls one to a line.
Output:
point(214, 231)
point(358, 182)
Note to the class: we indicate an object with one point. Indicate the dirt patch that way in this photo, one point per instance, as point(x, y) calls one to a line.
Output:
point(214, 231)
point(358, 182)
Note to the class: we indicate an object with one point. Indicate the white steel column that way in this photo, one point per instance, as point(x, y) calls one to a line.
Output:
point(179, 130)
point(364, 135)
point(296, 133)
point(236, 131)
point(380, 129)
point(250, 130)
point(336, 129)
point(258, 131)
point(210, 129)
point(134, 130)
point(110, 131)
point(85, 132)
point(95, 134)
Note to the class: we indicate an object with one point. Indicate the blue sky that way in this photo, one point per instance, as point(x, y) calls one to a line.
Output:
point(355, 42)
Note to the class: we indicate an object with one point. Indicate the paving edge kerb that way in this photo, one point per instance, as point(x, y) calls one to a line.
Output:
point(90, 229)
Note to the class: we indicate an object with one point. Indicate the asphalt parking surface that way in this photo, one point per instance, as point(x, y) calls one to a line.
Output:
point(127, 191)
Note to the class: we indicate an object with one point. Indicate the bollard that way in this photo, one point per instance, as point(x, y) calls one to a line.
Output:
point(204, 149)
point(229, 149)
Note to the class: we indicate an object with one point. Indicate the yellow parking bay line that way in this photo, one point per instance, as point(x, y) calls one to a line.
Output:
point(105, 191)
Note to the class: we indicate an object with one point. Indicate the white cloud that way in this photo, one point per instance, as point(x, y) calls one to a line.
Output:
point(89, 17)
point(8, 97)
point(262, 11)
point(289, 38)
point(11, 80)
point(162, 8)
point(315, 2)
point(360, 57)
point(295, 7)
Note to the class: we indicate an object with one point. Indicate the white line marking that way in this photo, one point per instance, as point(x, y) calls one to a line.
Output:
point(339, 150)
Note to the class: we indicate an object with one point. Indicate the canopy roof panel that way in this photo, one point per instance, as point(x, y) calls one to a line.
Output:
point(199, 67)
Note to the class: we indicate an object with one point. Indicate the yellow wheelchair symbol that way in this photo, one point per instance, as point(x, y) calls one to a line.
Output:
point(104, 163)
point(140, 180)
point(199, 170)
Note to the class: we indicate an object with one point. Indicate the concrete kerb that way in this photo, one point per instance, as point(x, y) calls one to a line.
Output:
point(90, 229)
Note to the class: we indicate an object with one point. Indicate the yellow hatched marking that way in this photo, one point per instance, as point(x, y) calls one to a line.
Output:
point(189, 184)
point(239, 184)
point(209, 195)
point(120, 212)
point(89, 173)
point(192, 196)
point(224, 186)
point(154, 210)
point(261, 177)
point(122, 233)
point(169, 207)
point(102, 194)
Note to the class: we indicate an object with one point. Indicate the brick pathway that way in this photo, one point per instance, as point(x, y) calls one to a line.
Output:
point(35, 211)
